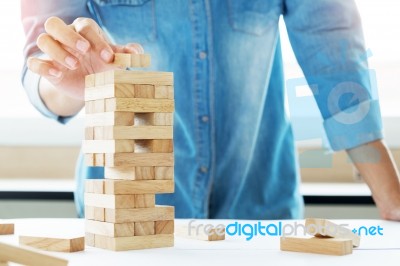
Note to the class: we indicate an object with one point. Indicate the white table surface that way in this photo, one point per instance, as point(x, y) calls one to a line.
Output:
point(262, 250)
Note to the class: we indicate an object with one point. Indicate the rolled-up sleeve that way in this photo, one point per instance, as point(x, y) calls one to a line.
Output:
point(33, 16)
point(327, 38)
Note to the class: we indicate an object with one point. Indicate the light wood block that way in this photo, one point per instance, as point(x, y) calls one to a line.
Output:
point(94, 186)
point(89, 159)
point(90, 81)
point(94, 213)
point(99, 159)
point(154, 119)
point(134, 132)
point(110, 91)
point(138, 159)
point(145, 200)
point(89, 133)
point(164, 92)
point(144, 228)
point(109, 201)
point(138, 77)
point(144, 91)
point(110, 229)
point(134, 242)
point(140, 214)
point(328, 246)
point(54, 244)
point(164, 227)
point(108, 146)
point(130, 173)
point(137, 105)
point(28, 256)
point(131, 60)
point(123, 187)
point(216, 233)
point(163, 173)
point(99, 79)
point(6, 228)
point(110, 119)
point(89, 213)
point(89, 239)
point(323, 227)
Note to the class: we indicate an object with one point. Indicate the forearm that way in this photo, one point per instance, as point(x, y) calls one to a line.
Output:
point(377, 167)
point(57, 102)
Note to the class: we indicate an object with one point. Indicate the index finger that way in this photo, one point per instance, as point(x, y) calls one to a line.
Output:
point(64, 34)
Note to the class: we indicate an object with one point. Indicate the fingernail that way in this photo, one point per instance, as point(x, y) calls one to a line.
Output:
point(82, 46)
point(106, 55)
point(55, 73)
point(71, 62)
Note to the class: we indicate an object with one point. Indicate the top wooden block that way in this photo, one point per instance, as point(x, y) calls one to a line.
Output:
point(132, 60)
point(129, 77)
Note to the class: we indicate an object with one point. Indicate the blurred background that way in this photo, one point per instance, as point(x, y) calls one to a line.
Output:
point(38, 155)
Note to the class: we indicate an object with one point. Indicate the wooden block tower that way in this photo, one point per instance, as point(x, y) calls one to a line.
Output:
point(129, 131)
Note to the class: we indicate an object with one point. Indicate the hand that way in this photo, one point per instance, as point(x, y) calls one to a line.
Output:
point(73, 52)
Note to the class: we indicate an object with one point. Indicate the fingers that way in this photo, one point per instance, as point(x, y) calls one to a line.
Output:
point(89, 29)
point(44, 68)
point(64, 34)
point(131, 48)
point(56, 52)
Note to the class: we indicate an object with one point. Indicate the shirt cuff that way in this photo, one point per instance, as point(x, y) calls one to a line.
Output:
point(354, 126)
point(31, 85)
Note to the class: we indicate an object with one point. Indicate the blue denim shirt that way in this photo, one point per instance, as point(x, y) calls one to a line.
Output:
point(234, 148)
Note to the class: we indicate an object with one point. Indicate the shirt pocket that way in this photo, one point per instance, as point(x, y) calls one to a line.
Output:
point(126, 20)
point(255, 16)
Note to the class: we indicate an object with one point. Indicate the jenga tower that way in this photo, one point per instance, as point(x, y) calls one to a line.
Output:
point(129, 131)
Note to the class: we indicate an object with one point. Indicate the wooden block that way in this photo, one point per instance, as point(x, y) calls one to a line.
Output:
point(89, 160)
point(145, 200)
point(28, 256)
point(144, 228)
point(6, 228)
point(110, 91)
point(137, 105)
point(138, 159)
point(99, 79)
point(154, 119)
point(135, 132)
point(328, 246)
point(164, 92)
point(94, 186)
point(131, 60)
point(323, 227)
point(110, 229)
point(108, 146)
point(89, 133)
point(216, 233)
point(110, 201)
point(99, 159)
point(134, 242)
point(144, 91)
point(110, 119)
point(130, 173)
point(124, 187)
point(54, 244)
point(98, 106)
point(90, 81)
point(138, 77)
point(139, 214)
point(94, 213)
point(89, 239)
point(164, 172)
point(89, 213)
point(164, 227)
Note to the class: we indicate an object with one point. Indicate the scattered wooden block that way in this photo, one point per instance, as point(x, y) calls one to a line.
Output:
point(328, 246)
point(164, 227)
point(134, 242)
point(134, 132)
point(144, 228)
point(138, 159)
point(216, 233)
point(164, 173)
point(28, 256)
point(137, 77)
point(131, 60)
point(6, 228)
point(139, 214)
point(124, 187)
point(323, 227)
point(110, 119)
point(108, 146)
point(110, 229)
point(137, 105)
point(54, 244)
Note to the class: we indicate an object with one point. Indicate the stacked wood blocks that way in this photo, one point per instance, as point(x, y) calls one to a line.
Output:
point(129, 131)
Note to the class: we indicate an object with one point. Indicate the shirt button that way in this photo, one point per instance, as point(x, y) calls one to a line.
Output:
point(203, 169)
point(202, 55)
point(205, 118)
